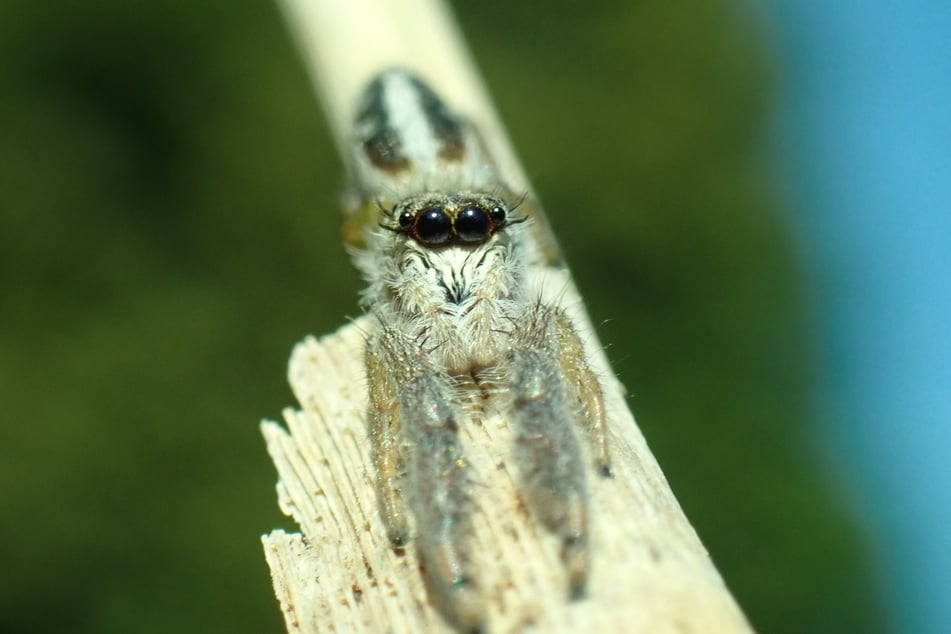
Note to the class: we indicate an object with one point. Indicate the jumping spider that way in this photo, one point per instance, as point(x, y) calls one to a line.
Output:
point(449, 259)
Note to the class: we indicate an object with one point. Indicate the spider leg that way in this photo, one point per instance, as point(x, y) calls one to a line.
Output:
point(549, 376)
point(549, 458)
point(386, 441)
point(580, 377)
point(421, 415)
point(439, 481)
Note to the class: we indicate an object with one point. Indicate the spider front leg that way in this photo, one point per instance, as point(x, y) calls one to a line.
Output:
point(554, 390)
point(413, 420)
point(584, 384)
point(386, 440)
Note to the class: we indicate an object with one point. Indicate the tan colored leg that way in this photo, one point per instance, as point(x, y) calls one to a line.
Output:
point(577, 372)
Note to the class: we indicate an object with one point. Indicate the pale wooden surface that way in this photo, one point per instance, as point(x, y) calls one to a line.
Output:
point(650, 572)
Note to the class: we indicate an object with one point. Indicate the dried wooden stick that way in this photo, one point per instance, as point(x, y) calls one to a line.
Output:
point(649, 571)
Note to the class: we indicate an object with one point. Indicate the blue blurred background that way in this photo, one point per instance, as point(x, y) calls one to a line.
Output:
point(865, 130)
point(749, 194)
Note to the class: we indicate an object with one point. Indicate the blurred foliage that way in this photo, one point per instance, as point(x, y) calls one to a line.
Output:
point(169, 229)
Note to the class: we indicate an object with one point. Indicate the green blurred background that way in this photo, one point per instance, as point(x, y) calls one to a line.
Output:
point(169, 228)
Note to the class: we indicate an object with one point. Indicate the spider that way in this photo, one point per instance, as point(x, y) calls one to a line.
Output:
point(448, 252)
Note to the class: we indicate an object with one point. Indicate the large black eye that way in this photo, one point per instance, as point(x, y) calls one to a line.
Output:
point(433, 226)
point(473, 224)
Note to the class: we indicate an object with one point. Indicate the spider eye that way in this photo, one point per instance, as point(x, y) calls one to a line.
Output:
point(406, 219)
point(473, 224)
point(498, 214)
point(433, 226)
